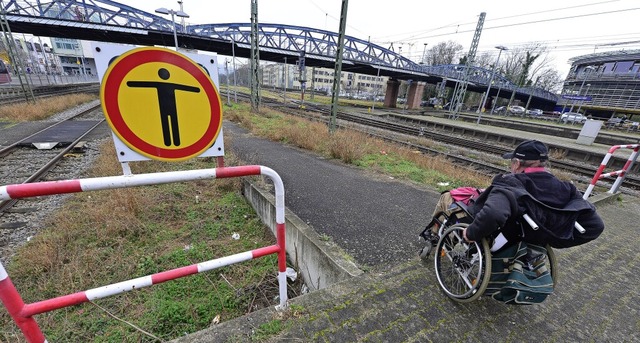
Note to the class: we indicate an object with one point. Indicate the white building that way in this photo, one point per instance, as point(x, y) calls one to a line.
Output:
point(75, 56)
point(276, 75)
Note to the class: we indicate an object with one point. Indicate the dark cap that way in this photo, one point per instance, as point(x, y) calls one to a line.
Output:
point(529, 150)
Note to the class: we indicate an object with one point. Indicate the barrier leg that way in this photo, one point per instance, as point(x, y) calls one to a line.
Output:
point(13, 302)
point(627, 166)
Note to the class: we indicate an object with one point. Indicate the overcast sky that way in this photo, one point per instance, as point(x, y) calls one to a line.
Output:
point(569, 27)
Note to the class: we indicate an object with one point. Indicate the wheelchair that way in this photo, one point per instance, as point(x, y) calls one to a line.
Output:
point(463, 269)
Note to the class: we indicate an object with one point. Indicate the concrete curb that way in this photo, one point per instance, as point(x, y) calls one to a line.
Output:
point(320, 263)
point(604, 198)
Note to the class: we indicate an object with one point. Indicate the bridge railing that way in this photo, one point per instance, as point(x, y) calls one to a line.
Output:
point(314, 42)
point(619, 173)
point(23, 313)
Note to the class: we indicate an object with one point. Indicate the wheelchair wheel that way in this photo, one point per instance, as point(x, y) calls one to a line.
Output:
point(552, 265)
point(463, 269)
point(424, 252)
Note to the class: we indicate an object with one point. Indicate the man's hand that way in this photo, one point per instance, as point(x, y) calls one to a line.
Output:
point(464, 235)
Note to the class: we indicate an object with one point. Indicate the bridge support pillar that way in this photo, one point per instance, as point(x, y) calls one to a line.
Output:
point(415, 95)
point(391, 97)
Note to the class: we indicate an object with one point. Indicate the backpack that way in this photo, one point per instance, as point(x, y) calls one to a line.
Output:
point(465, 194)
point(514, 280)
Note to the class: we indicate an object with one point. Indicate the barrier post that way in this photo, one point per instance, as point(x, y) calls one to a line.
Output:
point(23, 313)
point(620, 173)
point(627, 166)
point(13, 302)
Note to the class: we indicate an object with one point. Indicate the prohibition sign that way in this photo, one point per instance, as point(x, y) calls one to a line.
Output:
point(161, 104)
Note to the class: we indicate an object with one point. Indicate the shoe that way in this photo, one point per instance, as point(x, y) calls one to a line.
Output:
point(533, 259)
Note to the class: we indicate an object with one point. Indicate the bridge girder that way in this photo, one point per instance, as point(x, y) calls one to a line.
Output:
point(104, 20)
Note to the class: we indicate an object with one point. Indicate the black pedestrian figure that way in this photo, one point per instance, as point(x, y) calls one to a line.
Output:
point(167, 101)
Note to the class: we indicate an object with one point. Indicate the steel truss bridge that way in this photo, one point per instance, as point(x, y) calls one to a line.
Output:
point(109, 21)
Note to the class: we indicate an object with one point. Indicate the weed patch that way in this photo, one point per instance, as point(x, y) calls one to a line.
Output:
point(100, 238)
point(353, 147)
point(43, 108)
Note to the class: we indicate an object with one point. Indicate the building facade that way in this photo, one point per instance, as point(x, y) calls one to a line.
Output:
point(37, 56)
point(75, 56)
point(603, 85)
point(277, 75)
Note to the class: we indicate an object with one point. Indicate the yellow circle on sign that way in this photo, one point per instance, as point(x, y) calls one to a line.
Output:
point(161, 104)
point(141, 111)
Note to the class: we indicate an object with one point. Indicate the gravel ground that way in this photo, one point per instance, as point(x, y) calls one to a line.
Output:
point(29, 216)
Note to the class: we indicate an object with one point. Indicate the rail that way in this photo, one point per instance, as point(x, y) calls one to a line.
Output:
point(620, 173)
point(23, 313)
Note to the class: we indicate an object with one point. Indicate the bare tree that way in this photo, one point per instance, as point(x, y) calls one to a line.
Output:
point(531, 65)
point(485, 60)
point(549, 79)
point(443, 53)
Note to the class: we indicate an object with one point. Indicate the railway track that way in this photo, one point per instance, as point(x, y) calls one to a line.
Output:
point(16, 95)
point(583, 173)
point(20, 164)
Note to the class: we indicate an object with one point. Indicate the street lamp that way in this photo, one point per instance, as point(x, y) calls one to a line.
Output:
point(590, 68)
point(493, 73)
point(173, 13)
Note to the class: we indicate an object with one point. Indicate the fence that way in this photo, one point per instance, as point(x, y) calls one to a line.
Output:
point(620, 173)
point(23, 313)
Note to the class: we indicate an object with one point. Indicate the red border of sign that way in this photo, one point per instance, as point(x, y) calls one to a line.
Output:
point(113, 78)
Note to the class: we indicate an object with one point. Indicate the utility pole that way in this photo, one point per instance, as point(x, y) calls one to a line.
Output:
point(458, 97)
point(373, 102)
point(338, 67)
point(181, 18)
point(16, 61)
point(226, 67)
point(313, 81)
point(284, 80)
point(235, 85)
point(493, 74)
point(424, 54)
point(255, 57)
point(302, 76)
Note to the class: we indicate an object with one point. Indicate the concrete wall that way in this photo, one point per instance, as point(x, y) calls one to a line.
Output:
point(320, 263)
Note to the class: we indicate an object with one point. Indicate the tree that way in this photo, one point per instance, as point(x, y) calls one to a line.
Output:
point(443, 53)
point(485, 60)
point(531, 65)
point(549, 79)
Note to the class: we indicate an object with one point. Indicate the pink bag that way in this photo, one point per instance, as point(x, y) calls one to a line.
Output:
point(465, 194)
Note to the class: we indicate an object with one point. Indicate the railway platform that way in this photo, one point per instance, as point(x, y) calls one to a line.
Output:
point(376, 220)
point(553, 140)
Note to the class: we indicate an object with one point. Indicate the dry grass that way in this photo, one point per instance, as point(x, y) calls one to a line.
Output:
point(99, 238)
point(353, 147)
point(43, 108)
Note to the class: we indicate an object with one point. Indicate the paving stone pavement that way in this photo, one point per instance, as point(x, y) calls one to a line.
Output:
point(596, 299)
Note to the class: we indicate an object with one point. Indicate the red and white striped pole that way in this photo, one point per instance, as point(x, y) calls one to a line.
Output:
point(22, 313)
point(632, 158)
point(14, 304)
point(621, 173)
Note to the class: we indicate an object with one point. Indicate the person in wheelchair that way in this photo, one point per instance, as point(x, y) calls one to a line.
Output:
point(553, 204)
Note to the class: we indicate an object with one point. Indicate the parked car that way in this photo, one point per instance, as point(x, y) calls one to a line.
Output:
point(500, 110)
point(572, 117)
point(534, 112)
point(517, 110)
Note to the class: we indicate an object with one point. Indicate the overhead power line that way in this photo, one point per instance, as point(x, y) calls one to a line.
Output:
point(538, 21)
point(458, 24)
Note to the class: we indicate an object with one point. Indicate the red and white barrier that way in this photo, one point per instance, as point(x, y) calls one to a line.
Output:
point(22, 313)
point(620, 173)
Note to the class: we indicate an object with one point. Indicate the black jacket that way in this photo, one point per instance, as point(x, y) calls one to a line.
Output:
point(553, 204)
